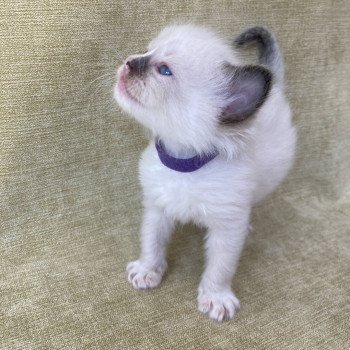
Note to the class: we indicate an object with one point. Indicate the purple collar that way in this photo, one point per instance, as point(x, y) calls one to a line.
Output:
point(183, 165)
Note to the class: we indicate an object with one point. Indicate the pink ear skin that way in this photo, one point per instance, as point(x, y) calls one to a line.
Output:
point(246, 90)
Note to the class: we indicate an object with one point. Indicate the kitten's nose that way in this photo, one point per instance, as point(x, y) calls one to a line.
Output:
point(131, 64)
point(137, 65)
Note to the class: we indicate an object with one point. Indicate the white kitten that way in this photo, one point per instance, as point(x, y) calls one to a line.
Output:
point(222, 140)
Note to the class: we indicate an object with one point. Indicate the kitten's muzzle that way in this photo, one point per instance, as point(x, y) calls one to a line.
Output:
point(138, 65)
point(123, 82)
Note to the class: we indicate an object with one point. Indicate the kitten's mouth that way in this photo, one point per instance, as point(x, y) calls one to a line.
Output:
point(122, 86)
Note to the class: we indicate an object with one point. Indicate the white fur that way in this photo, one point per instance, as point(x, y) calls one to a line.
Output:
point(183, 111)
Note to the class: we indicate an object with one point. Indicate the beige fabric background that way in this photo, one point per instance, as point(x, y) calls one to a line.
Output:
point(70, 200)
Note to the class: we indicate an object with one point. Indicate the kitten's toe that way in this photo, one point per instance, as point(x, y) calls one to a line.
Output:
point(142, 277)
point(218, 306)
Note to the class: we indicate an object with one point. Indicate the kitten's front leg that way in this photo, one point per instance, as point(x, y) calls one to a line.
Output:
point(223, 248)
point(148, 270)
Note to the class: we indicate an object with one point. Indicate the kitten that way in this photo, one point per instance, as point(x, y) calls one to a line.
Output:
point(222, 141)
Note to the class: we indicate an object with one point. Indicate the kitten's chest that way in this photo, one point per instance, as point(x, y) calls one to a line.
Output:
point(181, 195)
point(210, 192)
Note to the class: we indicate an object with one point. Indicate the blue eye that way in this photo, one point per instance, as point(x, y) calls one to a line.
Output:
point(164, 70)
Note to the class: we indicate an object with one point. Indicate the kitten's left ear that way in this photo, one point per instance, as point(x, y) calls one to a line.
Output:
point(246, 91)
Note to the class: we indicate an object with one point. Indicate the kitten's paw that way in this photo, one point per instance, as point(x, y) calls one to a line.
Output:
point(142, 277)
point(218, 305)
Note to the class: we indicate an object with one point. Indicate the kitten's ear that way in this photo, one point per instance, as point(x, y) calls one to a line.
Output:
point(246, 91)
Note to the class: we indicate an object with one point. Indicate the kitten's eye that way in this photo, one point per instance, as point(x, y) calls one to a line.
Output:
point(164, 70)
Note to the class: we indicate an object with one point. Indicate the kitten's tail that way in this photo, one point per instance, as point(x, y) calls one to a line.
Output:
point(269, 51)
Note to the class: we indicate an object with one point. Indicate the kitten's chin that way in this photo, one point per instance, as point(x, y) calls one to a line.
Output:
point(125, 100)
point(121, 89)
point(127, 103)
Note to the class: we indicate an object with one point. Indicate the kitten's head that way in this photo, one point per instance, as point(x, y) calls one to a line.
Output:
point(189, 86)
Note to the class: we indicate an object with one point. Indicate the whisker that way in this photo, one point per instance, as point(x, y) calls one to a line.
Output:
point(100, 77)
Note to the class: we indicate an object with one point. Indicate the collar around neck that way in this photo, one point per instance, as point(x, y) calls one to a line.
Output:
point(183, 165)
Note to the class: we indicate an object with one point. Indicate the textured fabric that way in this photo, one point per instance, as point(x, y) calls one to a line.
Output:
point(70, 200)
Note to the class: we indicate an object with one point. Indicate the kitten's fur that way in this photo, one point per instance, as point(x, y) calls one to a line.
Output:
point(212, 101)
